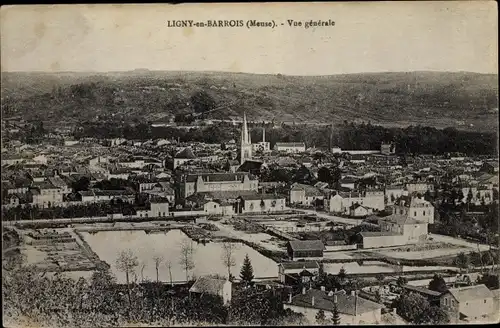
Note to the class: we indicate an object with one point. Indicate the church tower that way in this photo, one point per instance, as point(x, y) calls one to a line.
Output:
point(246, 142)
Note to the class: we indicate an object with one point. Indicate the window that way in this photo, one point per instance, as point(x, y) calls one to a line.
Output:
point(446, 301)
point(423, 213)
point(215, 206)
point(484, 301)
point(415, 213)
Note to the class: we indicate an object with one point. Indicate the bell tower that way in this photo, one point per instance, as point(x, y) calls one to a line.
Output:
point(246, 142)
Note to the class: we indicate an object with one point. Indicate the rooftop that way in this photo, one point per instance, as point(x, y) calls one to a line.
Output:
point(346, 304)
point(470, 293)
point(208, 285)
point(299, 265)
point(306, 245)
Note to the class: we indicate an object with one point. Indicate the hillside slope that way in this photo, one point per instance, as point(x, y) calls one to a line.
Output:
point(427, 98)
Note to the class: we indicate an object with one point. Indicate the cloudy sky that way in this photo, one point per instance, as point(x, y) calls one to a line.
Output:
point(367, 37)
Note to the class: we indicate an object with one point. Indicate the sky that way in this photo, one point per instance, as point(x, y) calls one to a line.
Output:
point(367, 37)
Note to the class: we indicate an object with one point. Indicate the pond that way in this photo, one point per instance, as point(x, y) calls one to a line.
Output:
point(207, 258)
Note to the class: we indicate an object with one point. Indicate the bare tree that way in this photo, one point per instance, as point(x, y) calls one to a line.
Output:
point(169, 266)
point(227, 257)
point(158, 260)
point(127, 262)
point(142, 266)
point(186, 257)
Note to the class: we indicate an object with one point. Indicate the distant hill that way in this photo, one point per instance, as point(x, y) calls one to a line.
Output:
point(394, 99)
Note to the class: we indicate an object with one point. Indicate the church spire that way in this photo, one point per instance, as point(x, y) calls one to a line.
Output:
point(245, 132)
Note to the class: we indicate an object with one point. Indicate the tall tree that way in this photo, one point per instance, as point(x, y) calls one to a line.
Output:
point(227, 256)
point(462, 261)
point(127, 262)
point(438, 284)
point(246, 273)
point(186, 257)
point(158, 260)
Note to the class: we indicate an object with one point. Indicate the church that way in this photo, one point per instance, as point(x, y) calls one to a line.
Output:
point(247, 149)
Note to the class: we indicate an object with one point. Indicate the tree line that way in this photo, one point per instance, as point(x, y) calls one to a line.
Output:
point(348, 136)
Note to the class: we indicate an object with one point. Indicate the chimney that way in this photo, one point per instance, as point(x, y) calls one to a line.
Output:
point(335, 290)
point(322, 288)
point(303, 290)
point(290, 298)
point(335, 299)
point(353, 293)
point(394, 311)
point(312, 301)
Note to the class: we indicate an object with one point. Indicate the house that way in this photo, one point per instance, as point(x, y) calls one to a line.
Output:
point(419, 187)
point(388, 148)
point(432, 296)
point(16, 186)
point(305, 249)
point(210, 182)
point(183, 156)
point(290, 147)
point(290, 270)
point(58, 182)
point(213, 286)
point(358, 210)
point(480, 195)
point(97, 195)
point(393, 192)
point(14, 200)
point(470, 304)
point(348, 182)
point(396, 230)
point(352, 308)
point(261, 203)
point(217, 207)
point(414, 207)
point(45, 194)
point(158, 207)
point(340, 201)
point(305, 194)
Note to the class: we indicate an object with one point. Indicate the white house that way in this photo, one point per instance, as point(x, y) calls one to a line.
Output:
point(45, 194)
point(469, 304)
point(305, 194)
point(294, 268)
point(261, 203)
point(414, 207)
point(290, 147)
point(213, 207)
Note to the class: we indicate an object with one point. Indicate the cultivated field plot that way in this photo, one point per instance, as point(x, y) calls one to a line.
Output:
point(260, 238)
point(55, 250)
point(424, 251)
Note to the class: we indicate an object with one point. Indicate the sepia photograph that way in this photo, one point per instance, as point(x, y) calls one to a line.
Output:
point(250, 164)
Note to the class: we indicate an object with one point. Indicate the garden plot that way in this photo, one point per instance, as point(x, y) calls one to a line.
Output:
point(424, 251)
